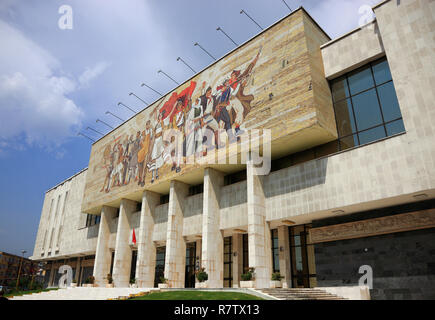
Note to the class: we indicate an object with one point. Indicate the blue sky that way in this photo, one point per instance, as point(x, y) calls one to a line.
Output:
point(55, 82)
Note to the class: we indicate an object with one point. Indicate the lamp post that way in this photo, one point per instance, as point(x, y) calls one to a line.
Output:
point(81, 134)
point(287, 5)
point(143, 84)
point(179, 59)
point(98, 120)
point(221, 30)
point(121, 104)
point(19, 270)
point(132, 94)
point(243, 11)
point(89, 128)
point(196, 44)
point(160, 71)
point(112, 114)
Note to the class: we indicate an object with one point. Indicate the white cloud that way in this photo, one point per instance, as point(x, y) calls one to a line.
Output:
point(91, 73)
point(34, 98)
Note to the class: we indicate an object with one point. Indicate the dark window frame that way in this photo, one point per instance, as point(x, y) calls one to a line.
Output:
point(349, 96)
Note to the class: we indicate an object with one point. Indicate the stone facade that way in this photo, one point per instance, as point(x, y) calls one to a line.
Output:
point(352, 183)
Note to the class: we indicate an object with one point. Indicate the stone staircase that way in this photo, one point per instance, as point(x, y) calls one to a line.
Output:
point(81, 293)
point(301, 294)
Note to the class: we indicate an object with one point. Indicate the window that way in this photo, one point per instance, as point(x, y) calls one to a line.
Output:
point(366, 106)
point(196, 189)
point(164, 199)
point(275, 250)
point(92, 219)
point(235, 177)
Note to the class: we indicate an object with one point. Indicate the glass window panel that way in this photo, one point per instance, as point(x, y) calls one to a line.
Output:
point(297, 240)
point(339, 89)
point(395, 127)
point(372, 135)
point(389, 103)
point(226, 270)
point(276, 263)
point(348, 142)
point(360, 80)
point(367, 111)
point(344, 117)
point(381, 71)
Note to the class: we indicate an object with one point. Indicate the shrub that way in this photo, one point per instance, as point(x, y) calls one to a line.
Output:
point(249, 275)
point(132, 281)
point(201, 275)
point(90, 280)
point(276, 276)
point(163, 280)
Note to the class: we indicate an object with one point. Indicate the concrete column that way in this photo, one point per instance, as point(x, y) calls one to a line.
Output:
point(78, 266)
point(212, 238)
point(146, 249)
point(50, 281)
point(175, 258)
point(260, 255)
point(237, 259)
point(198, 252)
point(122, 263)
point(284, 256)
point(103, 255)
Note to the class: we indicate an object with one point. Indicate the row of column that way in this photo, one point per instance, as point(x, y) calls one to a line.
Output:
point(212, 237)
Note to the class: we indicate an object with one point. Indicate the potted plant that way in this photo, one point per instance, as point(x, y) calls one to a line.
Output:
point(276, 280)
point(248, 279)
point(163, 283)
point(202, 278)
point(133, 283)
point(109, 281)
point(73, 283)
point(89, 282)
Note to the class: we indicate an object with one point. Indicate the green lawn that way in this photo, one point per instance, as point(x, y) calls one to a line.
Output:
point(21, 293)
point(197, 295)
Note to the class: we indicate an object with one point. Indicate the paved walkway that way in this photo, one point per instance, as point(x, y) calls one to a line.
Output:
point(81, 293)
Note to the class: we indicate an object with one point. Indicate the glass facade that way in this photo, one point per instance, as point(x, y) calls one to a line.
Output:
point(275, 250)
point(228, 261)
point(366, 106)
point(189, 281)
point(160, 265)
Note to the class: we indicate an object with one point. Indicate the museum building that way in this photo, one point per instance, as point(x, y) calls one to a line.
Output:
point(351, 185)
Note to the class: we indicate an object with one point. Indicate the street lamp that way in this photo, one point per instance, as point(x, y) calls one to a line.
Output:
point(143, 84)
point(19, 270)
point(121, 104)
point(132, 94)
point(180, 59)
point(221, 30)
point(196, 44)
point(160, 71)
point(243, 11)
point(112, 114)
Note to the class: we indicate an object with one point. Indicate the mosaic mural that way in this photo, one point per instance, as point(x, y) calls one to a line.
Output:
point(129, 158)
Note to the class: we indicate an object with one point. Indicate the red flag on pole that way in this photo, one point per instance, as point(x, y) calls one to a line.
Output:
point(133, 238)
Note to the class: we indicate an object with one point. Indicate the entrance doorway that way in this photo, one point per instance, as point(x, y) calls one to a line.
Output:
point(228, 262)
point(160, 265)
point(189, 281)
point(133, 264)
point(302, 257)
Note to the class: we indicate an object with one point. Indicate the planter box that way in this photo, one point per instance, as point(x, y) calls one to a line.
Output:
point(110, 285)
point(247, 284)
point(275, 284)
point(134, 285)
point(201, 285)
point(163, 285)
